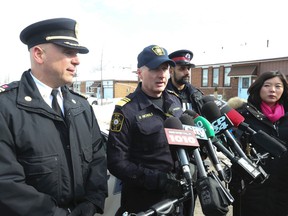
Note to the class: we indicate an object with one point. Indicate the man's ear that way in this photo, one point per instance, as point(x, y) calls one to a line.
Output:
point(139, 73)
point(171, 70)
point(38, 53)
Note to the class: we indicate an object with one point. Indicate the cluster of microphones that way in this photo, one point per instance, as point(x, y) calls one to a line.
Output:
point(211, 132)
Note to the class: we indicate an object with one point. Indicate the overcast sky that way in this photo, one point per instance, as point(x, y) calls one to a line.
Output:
point(115, 31)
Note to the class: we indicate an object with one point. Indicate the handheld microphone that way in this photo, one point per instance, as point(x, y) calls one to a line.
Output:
point(187, 121)
point(175, 123)
point(210, 188)
point(188, 124)
point(207, 98)
point(205, 124)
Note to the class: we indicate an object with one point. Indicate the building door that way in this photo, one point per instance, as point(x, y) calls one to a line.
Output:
point(243, 85)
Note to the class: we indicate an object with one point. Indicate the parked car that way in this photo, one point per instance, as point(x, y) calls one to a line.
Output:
point(112, 202)
point(92, 100)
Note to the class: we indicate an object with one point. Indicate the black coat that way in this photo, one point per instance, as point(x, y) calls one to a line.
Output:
point(269, 198)
point(137, 148)
point(189, 94)
point(47, 162)
point(258, 121)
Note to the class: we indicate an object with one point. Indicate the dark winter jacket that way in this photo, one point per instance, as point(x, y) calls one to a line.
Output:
point(48, 162)
point(189, 94)
point(137, 147)
point(270, 197)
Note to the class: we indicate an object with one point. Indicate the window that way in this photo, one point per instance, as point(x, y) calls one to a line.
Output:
point(88, 86)
point(205, 77)
point(76, 86)
point(226, 77)
point(245, 82)
point(215, 77)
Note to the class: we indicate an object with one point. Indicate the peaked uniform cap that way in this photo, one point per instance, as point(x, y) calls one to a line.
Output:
point(60, 31)
point(182, 57)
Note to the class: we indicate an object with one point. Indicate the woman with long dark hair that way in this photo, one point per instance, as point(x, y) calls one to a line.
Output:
point(267, 110)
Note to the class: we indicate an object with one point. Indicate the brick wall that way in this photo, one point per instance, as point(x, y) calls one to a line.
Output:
point(226, 92)
point(123, 88)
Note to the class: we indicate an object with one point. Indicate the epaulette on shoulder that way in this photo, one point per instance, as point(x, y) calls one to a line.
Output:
point(8, 87)
point(123, 102)
point(172, 92)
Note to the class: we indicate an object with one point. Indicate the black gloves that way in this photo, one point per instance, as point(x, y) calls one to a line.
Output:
point(84, 209)
point(169, 184)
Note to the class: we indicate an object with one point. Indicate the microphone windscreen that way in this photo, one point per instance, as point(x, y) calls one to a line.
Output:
point(207, 98)
point(191, 113)
point(225, 109)
point(211, 111)
point(235, 117)
point(187, 120)
point(173, 122)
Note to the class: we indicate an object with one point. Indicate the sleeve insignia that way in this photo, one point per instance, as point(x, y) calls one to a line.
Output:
point(7, 87)
point(116, 122)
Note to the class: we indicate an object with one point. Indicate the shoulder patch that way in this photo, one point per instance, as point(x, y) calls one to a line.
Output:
point(8, 87)
point(123, 101)
point(116, 122)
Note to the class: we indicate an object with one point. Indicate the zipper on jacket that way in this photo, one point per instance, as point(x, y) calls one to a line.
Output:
point(276, 127)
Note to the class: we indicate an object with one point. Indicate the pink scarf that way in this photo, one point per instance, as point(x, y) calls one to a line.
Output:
point(273, 113)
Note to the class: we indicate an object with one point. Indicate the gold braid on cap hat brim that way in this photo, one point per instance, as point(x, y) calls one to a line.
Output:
point(48, 38)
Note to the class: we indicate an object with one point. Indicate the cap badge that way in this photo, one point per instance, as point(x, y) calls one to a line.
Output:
point(188, 56)
point(76, 30)
point(158, 50)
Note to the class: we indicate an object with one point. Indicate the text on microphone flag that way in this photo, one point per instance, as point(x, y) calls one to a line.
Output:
point(181, 137)
point(198, 131)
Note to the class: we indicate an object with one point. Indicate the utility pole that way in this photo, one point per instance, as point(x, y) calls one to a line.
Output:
point(101, 79)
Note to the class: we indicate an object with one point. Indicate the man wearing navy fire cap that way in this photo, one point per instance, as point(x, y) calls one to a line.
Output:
point(52, 156)
point(179, 81)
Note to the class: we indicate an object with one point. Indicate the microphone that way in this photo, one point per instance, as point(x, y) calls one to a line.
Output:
point(260, 138)
point(212, 112)
point(175, 123)
point(188, 123)
point(221, 124)
point(207, 98)
point(205, 124)
point(209, 192)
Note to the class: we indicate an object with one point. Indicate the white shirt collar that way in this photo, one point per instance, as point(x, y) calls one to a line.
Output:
point(45, 92)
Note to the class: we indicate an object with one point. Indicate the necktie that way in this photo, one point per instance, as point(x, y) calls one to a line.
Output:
point(55, 104)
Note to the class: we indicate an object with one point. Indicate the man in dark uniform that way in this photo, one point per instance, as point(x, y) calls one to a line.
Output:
point(179, 81)
point(53, 162)
point(137, 151)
